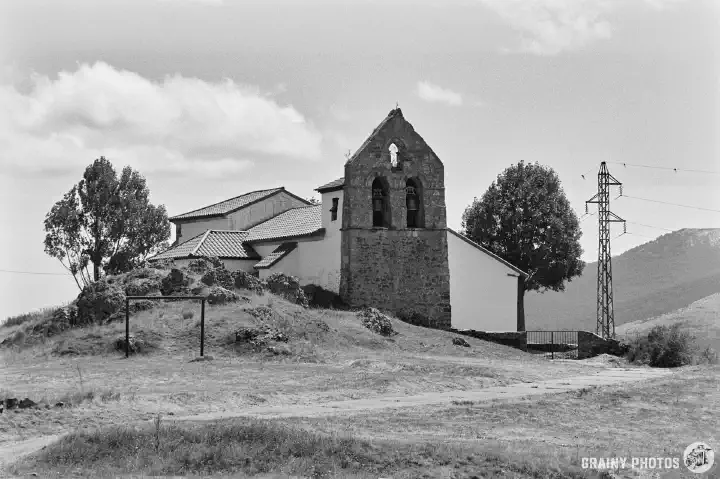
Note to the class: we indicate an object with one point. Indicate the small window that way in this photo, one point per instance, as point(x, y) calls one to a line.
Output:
point(334, 209)
point(178, 231)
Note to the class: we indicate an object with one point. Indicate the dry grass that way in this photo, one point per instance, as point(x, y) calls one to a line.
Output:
point(628, 420)
point(255, 447)
point(332, 357)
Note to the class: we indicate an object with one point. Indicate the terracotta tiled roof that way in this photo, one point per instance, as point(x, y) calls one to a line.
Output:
point(227, 206)
point(223, 244)
point(333, 185)
point(279, 253)
point(302, 221)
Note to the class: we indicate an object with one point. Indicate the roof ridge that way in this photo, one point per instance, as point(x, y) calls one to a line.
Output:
point(197, 247)
point(230, 199)
point(228, 231)
point(487, 251)
point(393, 113)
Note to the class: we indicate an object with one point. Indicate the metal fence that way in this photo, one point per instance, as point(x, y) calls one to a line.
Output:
point(127, 317)
point(560, 344)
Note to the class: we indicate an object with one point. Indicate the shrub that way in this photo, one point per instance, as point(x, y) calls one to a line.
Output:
point(98, 301)
point(199, 266)
point(322, 298)
point(376, 321)
point(175, 282)
point(219, 276)
point(245, 280)
point(188, 314)
point(142, 287)
point(137, 344)
point(288, 287)
point(663, 347)
point(220, 295)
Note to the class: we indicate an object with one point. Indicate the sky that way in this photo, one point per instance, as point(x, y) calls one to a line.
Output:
point(210, 99)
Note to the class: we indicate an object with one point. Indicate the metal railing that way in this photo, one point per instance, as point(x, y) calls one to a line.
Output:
point(565, 343)
point(153, 298)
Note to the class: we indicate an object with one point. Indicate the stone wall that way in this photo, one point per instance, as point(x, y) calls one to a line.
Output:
point(513, 339)
point(402, 270)
point(590, 344)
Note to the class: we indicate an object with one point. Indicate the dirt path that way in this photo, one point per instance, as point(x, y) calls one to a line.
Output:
point(602, 377)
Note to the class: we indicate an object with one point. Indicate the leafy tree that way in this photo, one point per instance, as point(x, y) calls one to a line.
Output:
point(313, 201)
point(525, 218)
point(105, 221)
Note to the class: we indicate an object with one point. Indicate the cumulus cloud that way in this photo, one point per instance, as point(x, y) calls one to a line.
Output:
point(436, 94)
point(548, 27)
point(178, 124)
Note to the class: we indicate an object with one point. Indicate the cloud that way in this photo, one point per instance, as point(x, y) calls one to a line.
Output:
point(435, 94)
point(549, 27)
point(202, 2)
point(177, 125)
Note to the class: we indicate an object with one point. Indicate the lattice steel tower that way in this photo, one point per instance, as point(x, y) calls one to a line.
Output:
point(605, 313)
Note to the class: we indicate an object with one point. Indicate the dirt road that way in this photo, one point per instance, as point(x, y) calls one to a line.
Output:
point(602, 377)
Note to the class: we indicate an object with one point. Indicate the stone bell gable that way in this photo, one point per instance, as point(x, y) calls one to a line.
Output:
point(394, 231)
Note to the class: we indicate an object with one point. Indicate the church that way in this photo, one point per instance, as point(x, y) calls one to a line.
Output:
point(378, 238)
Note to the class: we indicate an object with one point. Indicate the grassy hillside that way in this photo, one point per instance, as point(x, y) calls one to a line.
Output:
point(649, 280)
point(701, 319)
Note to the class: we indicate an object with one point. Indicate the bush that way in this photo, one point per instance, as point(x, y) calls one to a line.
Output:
point(220, 295)
point(137, 345)
point(98, 301)
point(245, 280)
point(288, 287)
point(320, 297)
point(376, 321)
point(199, 266)
point(142, 287)
point(175, 282)
point(663, 347)
point(219, 276)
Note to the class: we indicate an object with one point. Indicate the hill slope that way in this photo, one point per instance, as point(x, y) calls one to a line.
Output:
point(701, 319)
point(649, 280)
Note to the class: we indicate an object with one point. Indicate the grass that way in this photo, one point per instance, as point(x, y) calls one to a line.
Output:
point(41, 314)
point(332, 356)
point(256, 446)
point(628, 420)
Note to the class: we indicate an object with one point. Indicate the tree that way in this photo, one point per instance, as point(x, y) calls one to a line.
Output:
point(525, 218)
point(107, 221)
point(313, 201)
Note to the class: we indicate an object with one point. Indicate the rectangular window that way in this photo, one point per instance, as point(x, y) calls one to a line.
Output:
point(334, 209)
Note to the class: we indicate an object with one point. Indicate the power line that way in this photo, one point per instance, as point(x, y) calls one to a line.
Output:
point(673, 204)
point(650, 226)
point(665, 168)
point(33, 272)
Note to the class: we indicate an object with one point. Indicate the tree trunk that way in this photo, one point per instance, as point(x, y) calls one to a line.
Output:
point(521, 304)
point(96, 261)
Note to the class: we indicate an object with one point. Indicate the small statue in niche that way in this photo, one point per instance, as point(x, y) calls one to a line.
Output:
point(393, 155)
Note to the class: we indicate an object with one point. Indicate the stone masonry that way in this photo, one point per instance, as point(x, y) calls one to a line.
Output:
point(396, 268)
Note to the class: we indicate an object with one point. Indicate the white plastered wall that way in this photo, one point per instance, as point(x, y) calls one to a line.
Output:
point(483, 297)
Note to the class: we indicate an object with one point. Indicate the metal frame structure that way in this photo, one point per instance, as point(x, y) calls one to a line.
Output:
point(605, 313)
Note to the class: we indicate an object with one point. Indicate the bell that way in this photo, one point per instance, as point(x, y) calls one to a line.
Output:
point(412, 203)
point(377, 204)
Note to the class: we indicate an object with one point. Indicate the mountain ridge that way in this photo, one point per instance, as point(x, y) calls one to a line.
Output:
point(654, 278)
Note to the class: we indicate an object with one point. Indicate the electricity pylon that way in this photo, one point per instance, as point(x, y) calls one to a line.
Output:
point(605, 314)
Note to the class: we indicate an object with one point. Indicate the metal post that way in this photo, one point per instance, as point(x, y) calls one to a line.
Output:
point(127, 328)
point(552, 344)
point(202, 328)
